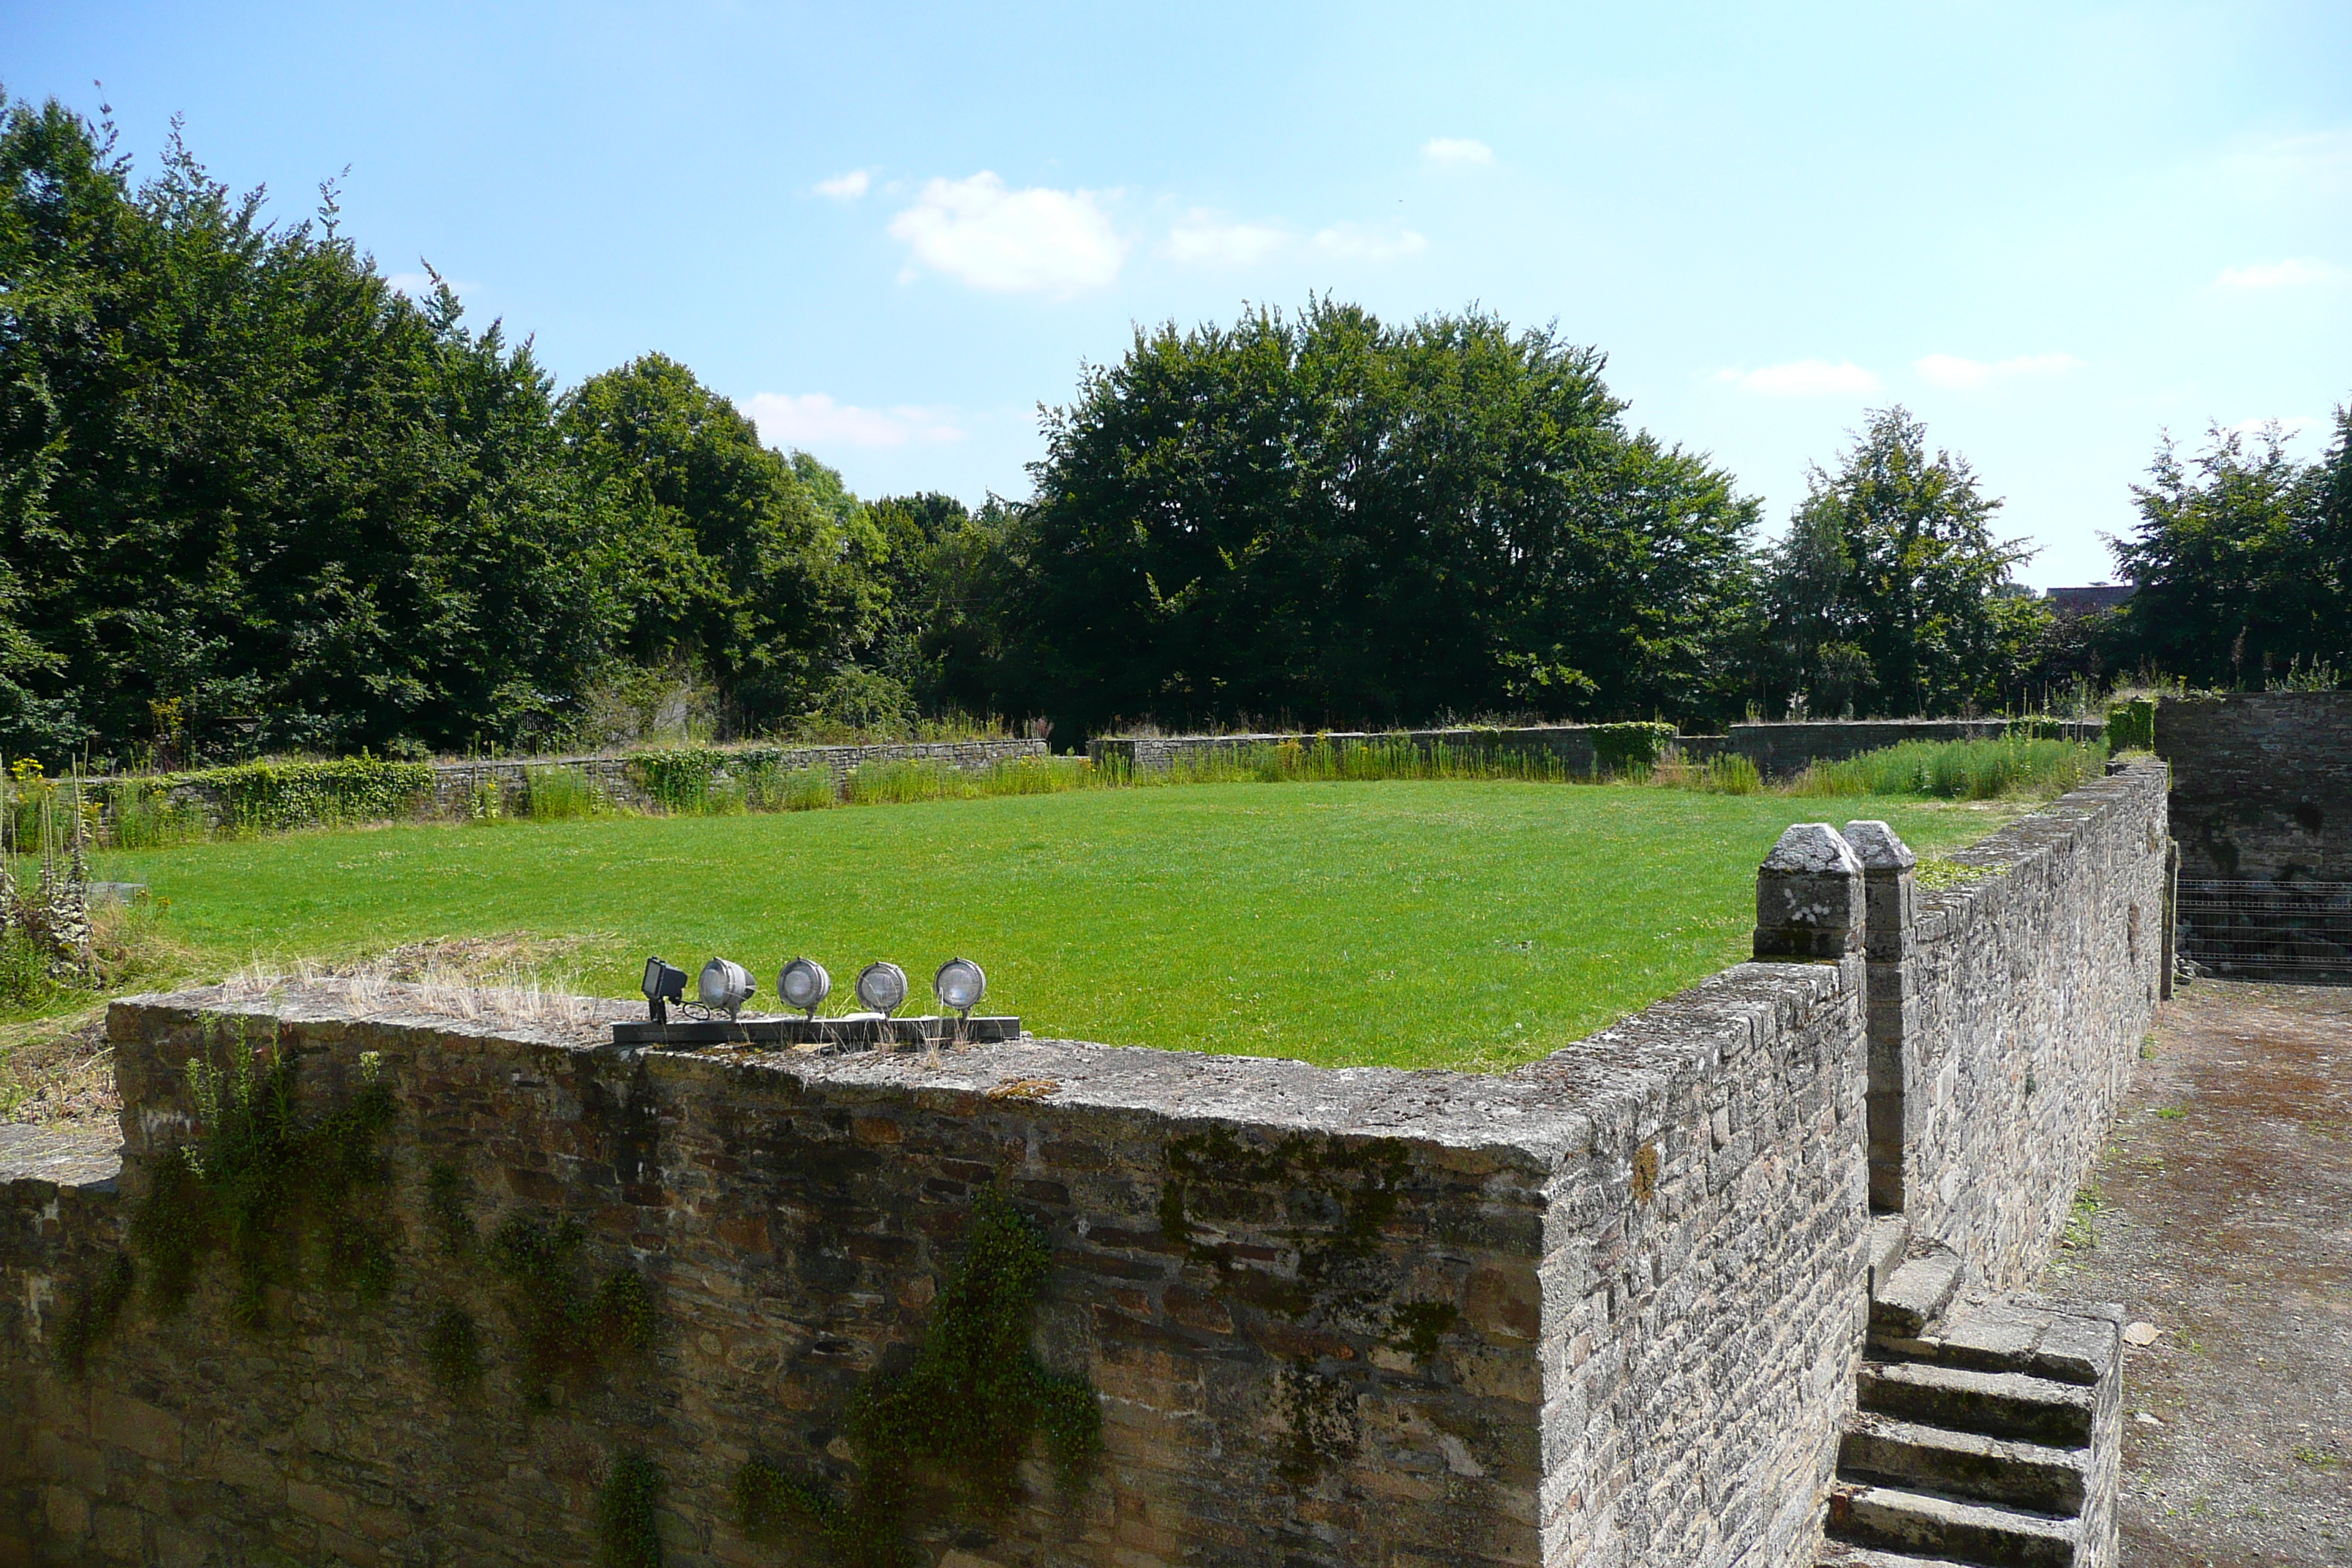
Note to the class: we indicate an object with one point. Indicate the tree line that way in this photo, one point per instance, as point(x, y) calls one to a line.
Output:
point(253, 496)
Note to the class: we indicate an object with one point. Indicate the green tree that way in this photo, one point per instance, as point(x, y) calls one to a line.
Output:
point(239, 474)
point(2243, 559)
point(722, 551)
point(1888, 593)
point(1331, 518)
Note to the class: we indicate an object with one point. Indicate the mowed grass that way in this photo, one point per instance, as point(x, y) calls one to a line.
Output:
point(1410, 924)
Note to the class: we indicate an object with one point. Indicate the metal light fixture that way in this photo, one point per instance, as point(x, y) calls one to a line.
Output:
point(664, 983)
point(960, 985)
point(804, 984)
point(882, 987)
point(725, 984)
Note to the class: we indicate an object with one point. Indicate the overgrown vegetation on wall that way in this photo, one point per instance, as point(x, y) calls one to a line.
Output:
point(271, 1190)
point(959, 1420)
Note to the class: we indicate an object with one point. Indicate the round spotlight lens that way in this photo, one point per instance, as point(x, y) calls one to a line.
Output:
point(724, 983)
point(883, 987)
point(804, 984)
point(960, 985)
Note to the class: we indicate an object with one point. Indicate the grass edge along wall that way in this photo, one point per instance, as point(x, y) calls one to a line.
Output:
point(1602, 1309)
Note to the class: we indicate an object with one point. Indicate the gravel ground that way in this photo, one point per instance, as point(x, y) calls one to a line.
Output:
point(2221, 1216)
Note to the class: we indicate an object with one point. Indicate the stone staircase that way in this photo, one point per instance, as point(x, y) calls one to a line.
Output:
point(1989, 1438)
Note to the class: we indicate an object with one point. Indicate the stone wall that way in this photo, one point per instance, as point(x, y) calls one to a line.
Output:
point(1571, 744)
point(457, 786)
point(2025, 988)
point(1603, 1309)
point(2262, 784)
point(1779, 750)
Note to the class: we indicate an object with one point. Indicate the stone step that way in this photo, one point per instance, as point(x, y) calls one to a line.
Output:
point(1996, 1404)
point(1914, 1296)
point(1839, 1555)
point(2011, 1336)
point(1889, 1235)
point(1882, 1450)
point(1941, 1529)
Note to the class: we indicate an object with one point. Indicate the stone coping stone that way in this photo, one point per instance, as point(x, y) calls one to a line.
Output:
point(1559, 1108)
point(66, 1153)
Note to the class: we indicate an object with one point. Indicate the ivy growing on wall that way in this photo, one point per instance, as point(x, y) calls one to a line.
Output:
point(627, 1525)
point(262, 1185)
point(1630, 748)
point(89, 1322)
point(961, 1416)
point(568, 1333)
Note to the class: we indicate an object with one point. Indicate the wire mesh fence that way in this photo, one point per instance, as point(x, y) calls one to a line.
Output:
point(2268, 931)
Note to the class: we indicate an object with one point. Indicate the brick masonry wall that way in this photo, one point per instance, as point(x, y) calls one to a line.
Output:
point(2033, 983)
point(2262, 784)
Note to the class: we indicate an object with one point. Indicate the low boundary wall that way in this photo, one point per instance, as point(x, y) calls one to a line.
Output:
point(1779, 749)
point(1605, 1309)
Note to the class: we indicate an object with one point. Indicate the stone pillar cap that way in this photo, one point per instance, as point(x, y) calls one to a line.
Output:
point(1880, 850)
point(1812, 848)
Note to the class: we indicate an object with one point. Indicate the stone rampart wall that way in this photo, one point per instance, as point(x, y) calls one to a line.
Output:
point(1314, 1303)
point(2262, 784)
point(2034, 980)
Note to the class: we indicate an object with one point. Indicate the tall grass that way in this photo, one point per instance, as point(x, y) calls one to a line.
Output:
point(1958, 770)
point(558, 793)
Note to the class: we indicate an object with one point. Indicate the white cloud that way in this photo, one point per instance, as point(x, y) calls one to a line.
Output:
point(814, 420)
point(1802, 378)
point(1033, 241)
point(1351, 241)
point(1202, 238)
point(1969, 374)
point(1456, 150)
point(845, 187)
point(2275, 274)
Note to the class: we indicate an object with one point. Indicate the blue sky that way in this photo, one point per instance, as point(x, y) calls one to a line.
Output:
point(890, 231)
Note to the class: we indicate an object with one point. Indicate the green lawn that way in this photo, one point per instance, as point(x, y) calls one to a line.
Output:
point(1399, 924)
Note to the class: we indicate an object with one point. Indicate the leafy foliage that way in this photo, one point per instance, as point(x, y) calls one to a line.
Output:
point(89, 1322)
point(963, 1415)
point(567, 1332)
point(1885, 596)
point(262, 1182)
point(1331, 518)
point(2243, 558)
point(627, 1533)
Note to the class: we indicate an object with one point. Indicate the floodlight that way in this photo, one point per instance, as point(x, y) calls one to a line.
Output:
point(725, 984)
point(664, 983)
point(960, 985)
point(804, 983)
point(883, 987)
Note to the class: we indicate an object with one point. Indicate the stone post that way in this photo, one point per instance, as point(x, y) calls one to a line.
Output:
point(1891, 900)
point(1809, 897)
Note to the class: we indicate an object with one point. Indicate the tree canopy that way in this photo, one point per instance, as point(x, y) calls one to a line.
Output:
point(1340, 520)
point(2243, 559)
point(250, 491)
